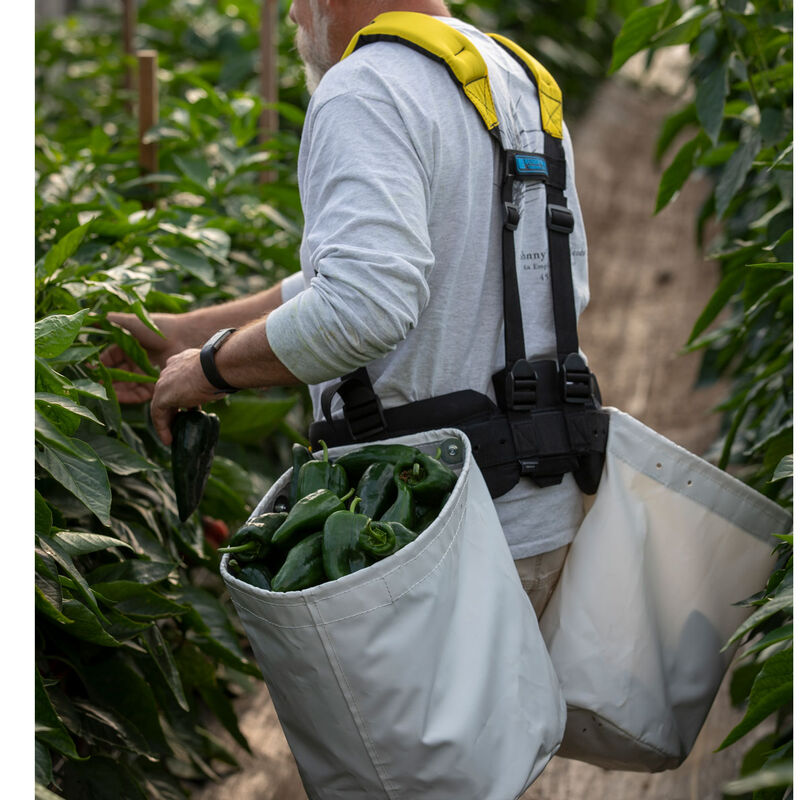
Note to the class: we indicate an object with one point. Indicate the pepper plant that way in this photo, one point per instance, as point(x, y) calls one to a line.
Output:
point(737, 131)
point(138, 652)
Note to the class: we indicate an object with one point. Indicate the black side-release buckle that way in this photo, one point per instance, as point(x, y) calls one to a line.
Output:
point(521, 386)
point(363, 411)
point(559, 218)
point(511, 218)
point(577, 379)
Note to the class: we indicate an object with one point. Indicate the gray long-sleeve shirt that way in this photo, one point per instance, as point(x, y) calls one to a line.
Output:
point(401, 252)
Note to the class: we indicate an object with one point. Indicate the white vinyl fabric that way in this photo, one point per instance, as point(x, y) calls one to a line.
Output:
point(645, 602)
point(422, 676)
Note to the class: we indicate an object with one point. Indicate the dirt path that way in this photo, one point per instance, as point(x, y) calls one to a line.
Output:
point(648, 286)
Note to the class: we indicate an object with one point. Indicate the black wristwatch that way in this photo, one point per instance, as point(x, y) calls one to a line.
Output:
point(207, 355)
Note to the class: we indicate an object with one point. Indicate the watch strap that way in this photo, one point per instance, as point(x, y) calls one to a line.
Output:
point(207, 361)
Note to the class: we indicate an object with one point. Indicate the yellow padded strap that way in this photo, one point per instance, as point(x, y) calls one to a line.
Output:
point(438, 39)
point(549, 91)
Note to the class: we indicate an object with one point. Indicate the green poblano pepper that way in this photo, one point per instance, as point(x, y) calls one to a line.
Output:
point(402, 509)
point(341, 553)
point(377, 540)
point(253, 540)
point(303, 566)
point(376, 489)
point(255, 574)
point(300, 455)
point(321, 474)
point(402, 535)
point(194, 439)
point(307, 515)
point(428, 479)
point(356, 461)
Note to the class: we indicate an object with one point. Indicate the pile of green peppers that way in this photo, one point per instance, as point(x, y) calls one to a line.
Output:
point(340, 516)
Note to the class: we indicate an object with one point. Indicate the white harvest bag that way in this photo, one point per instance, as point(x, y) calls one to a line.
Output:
point(644, 603)
point(422, 676)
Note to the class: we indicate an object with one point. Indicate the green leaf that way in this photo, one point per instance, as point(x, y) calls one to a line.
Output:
point(91, 388)
point(106, 726)
point(728, 287)
point(54, 334)
point(672, 126)
point(102, 778)
point(46, 431)
point(780, 602)
point(65, 404)
point(113, 683)
point(775, 775)
point(196, 264)
point(735, 171)
point(49, 599)
point(65, 248)
point(783, 266)
point(124, 376)
point(197, 170)
point(49, 727)
point(86, 626)
point(637, 31)
point(136, 570)
point(44, 764)
point(710, 100)
point(785, 469)
point(248, 418)
point(135, 600)
point(56, 550)
point(782, 634)
point(772, 690)
point(678, 172)
point(85, 477)
point(43, 516)
point(683, 30)
point(78, 543)
point(43, 793)
point(118, 456)
point(162, 655)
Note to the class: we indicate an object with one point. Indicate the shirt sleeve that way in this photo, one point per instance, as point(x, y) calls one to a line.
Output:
point(365, 197)
point(292, 286)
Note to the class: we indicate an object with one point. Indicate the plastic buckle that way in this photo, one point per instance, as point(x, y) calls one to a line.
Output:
point(511, 218)
point(521, 386)
point(577, 380)
point(559, 218)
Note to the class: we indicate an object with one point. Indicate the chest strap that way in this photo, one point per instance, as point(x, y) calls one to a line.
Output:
point(548, 418)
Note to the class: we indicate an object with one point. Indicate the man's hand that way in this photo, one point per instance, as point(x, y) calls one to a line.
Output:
point(182, 385)
point(176, 339)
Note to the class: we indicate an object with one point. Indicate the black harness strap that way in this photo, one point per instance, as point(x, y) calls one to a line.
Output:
point(548, 419)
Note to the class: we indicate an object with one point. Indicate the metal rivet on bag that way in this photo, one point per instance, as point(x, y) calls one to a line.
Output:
point(451, 451)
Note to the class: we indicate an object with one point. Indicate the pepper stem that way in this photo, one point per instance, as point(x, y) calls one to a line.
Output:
point(324, 450)
point(415, 469)
point(239, 548)
point(438, 453)
point(356, 501)
point(348, 495)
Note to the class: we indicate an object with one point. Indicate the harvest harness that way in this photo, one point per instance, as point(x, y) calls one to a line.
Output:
point(548, 418)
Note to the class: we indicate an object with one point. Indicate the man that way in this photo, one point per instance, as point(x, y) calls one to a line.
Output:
point(401, 254)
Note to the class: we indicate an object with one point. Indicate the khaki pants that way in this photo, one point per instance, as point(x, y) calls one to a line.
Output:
point(539, 576)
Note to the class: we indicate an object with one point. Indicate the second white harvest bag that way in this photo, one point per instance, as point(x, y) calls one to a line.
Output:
point(646, 599)
point(422, 676)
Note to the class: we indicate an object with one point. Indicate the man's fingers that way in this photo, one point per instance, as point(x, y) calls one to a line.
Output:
point(133, 392)
point(113, 356)
point(162, 422)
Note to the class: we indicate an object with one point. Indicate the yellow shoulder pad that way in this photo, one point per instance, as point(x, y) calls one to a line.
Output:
point(440, 41)
point(549, 91)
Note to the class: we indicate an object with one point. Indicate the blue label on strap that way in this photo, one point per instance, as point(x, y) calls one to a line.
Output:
point(531, 165)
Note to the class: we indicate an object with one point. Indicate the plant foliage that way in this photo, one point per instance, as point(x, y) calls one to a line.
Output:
point(138, 652)
point(737, 130)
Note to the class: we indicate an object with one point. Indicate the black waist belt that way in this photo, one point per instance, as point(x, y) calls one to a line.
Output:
point(541, 443)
